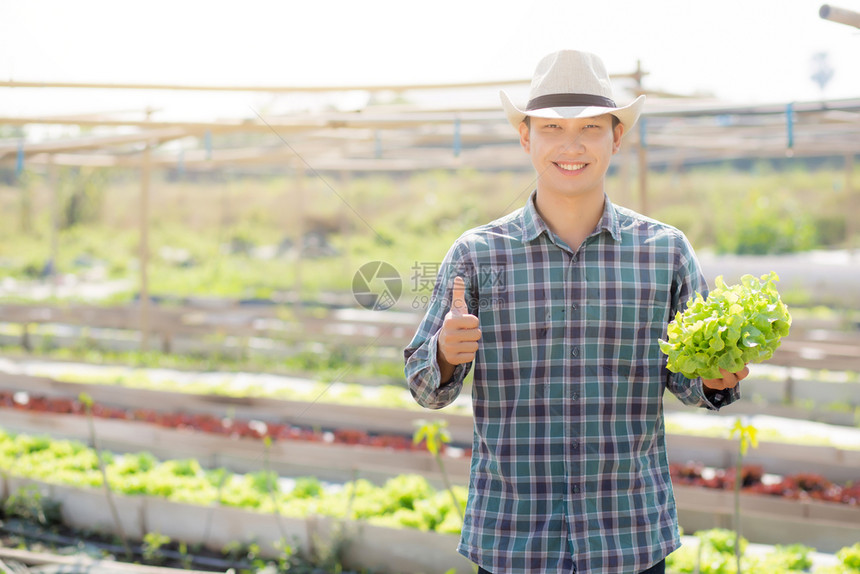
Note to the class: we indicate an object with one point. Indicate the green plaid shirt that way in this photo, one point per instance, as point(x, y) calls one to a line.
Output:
point(569, 469)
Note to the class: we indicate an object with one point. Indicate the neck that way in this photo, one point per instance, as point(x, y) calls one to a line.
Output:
point(571, 218)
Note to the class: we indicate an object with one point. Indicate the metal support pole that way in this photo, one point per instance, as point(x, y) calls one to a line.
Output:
point(458, 143)
point(840, 15)
point(789, 129)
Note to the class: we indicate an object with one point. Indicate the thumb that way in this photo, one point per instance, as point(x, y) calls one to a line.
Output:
point(458, 298)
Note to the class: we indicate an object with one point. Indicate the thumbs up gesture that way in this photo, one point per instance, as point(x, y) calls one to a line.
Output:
point(460, 333)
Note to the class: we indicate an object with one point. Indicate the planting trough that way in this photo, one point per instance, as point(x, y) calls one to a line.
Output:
point(386, 550)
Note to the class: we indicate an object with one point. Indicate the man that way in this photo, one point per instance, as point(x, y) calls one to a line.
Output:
point(559, 306)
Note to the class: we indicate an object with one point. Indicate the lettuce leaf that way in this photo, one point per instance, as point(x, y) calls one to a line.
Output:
point(737, 324)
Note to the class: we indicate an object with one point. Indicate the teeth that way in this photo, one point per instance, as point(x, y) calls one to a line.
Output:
point(571, 166)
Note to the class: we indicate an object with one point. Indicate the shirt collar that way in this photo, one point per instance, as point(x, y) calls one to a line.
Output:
point(534, 225)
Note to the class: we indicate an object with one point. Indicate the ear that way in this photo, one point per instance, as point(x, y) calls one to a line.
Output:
point(617, 133)
point(525, 134)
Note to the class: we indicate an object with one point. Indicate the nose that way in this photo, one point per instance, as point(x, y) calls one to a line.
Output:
point(575, 142)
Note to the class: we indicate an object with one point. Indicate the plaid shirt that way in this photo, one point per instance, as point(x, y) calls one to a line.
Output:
point(569, 469)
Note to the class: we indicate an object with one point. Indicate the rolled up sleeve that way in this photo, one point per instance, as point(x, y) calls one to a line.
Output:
point(688, 281)
point(421, 366)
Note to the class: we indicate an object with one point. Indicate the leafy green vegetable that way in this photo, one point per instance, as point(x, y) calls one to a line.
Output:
point(850, 556)
point(404, 501)
point(735, 325)
point(716, 556)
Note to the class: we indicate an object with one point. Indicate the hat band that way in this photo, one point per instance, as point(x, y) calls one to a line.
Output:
point(569, 101)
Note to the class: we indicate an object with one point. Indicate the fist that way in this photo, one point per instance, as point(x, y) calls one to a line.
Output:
point(460, 333)
point(728, 380)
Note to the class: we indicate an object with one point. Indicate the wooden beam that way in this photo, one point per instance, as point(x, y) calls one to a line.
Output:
point(642, 154)
point(851, 227)
point(270, 89)
point(299, 122)
point(145, 178)
point(371, 88)
point(694, 109)
point(54, 185)
point(641, 148)
point(299, 230)
point(94, 142)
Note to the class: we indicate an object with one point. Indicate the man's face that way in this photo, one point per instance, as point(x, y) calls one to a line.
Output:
point(571, 156)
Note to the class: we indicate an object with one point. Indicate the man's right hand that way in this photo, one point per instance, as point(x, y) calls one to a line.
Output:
point(460, 333)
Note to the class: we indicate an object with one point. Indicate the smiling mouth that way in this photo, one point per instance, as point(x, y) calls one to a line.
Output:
point(571, 167)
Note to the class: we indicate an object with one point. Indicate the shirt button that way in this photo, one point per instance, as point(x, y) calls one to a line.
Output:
point(575, 489)
point(574, 352)
point(574, 395)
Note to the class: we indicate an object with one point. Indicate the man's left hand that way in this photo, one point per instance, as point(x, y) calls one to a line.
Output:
point(728, 381)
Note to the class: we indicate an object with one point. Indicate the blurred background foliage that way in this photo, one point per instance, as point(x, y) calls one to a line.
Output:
point(235, 235)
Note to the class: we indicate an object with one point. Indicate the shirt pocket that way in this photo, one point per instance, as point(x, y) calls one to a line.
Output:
point(652, 321)
point(629, 332)
point(516, 329)
point(630, 381)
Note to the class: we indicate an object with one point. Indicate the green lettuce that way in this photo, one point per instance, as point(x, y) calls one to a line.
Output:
point(735, 325)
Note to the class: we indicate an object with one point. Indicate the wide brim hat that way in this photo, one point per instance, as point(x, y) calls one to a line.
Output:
point(571, 84)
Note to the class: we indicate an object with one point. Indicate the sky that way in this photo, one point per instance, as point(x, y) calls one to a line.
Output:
point(743, 51)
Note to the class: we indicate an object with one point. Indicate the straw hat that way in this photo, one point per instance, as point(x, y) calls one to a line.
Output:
point(571, 84)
